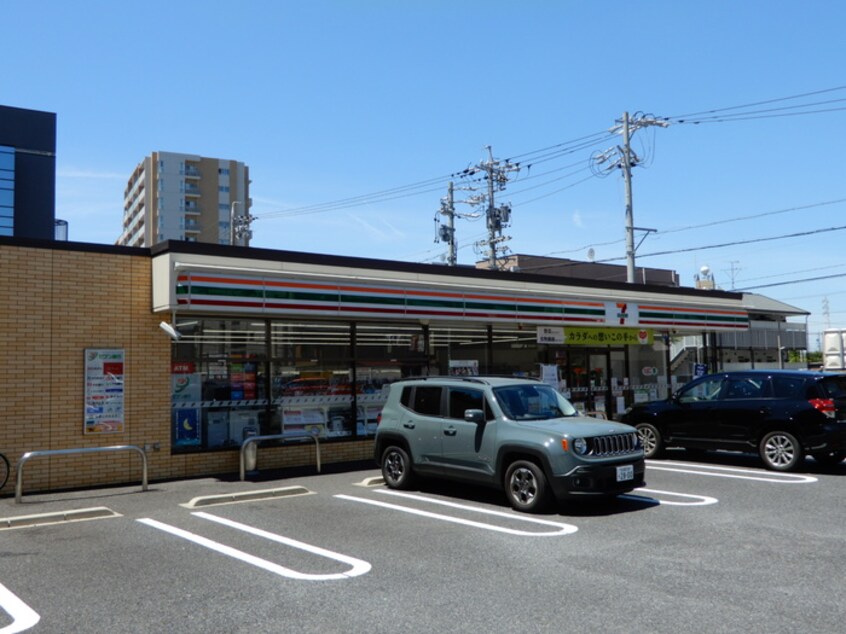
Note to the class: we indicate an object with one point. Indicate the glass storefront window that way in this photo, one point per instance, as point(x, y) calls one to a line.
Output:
point(459, 350)
point(219, 393)
point(384, 352)
point(311, 377)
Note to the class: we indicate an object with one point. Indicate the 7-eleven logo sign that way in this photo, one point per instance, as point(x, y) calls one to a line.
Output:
point(620, 314)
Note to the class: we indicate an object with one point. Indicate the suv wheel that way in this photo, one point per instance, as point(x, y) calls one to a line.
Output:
point(525, 486)
point(650, 438)
point(396, 468)
point(780, 451)
point(829, 458)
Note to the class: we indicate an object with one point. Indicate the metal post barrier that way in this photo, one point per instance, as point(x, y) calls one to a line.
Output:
point(64, 452)
point(289, 436)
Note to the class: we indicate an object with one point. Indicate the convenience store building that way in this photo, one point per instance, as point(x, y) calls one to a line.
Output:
point(260, 342)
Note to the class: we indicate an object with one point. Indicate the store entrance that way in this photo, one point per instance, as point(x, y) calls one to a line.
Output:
point(587, 379)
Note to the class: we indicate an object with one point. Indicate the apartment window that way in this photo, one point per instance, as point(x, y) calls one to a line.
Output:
point(223, 188)
point(7, 191)
point(223, 171)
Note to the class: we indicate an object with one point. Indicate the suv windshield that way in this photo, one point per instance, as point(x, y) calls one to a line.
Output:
point(532, 402)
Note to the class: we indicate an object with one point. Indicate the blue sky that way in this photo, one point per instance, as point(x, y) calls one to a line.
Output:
point(330, 100)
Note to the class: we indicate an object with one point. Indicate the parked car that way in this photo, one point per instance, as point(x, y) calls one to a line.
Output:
point(515, 434)
point(781, 415)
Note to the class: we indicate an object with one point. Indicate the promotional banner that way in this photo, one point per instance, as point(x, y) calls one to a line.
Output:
point(104, 391)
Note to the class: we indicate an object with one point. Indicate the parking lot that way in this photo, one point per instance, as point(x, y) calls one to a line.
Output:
point(715, 544)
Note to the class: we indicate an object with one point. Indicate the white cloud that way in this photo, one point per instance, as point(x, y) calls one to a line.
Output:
point(577, 219)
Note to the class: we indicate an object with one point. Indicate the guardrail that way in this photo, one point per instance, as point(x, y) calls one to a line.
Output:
point(64, 452)
point(256, 439)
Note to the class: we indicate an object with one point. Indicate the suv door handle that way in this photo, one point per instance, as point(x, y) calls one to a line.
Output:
point(408, 425)
point(450, 431)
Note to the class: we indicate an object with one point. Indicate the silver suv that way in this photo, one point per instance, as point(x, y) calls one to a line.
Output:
point(517, 434)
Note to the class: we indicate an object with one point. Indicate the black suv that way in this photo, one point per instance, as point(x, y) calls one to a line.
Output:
point(781, 415)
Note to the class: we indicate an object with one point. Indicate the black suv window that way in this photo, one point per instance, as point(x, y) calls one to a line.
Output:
point(706, 390)
point(427, 400)
point(462, 398)
point(788, 387)
point(835, 386)
point(744, 387)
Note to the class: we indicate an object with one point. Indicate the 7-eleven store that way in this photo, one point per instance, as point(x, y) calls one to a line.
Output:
point(267, 342)
point(277, 342)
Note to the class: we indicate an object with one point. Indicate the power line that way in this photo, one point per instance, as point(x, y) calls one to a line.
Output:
point(806, 279)
point(760, 103)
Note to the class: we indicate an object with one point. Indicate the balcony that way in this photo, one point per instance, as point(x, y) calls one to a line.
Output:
point(191, 190)
point(191, 172)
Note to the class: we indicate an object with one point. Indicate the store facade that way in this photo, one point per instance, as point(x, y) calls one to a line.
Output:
point(274, 342)
point(290, 343)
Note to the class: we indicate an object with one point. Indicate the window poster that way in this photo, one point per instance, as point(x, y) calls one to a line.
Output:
point(464, 367)
point(104, 391)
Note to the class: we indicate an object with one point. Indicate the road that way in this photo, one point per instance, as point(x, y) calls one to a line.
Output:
point(709, 545)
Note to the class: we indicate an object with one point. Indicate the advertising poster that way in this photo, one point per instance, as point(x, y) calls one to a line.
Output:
point(186, 427)
point(104, 391)
point(186, 394)
point(460, 367)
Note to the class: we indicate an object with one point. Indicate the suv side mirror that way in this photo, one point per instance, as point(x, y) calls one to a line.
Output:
point(474, 416)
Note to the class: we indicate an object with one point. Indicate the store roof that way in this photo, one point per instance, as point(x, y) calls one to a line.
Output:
point(755, 303)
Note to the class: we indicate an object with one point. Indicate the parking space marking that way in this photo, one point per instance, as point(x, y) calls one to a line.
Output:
point(23, 616)
point(357, 566)
point(699, 500)
point(563, 529)
point(730, 472)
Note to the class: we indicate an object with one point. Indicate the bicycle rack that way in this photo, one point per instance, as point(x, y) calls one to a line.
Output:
point(64, 452)
point(288, 436)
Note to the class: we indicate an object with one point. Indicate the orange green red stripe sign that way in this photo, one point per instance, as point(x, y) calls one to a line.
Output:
point(275, 296)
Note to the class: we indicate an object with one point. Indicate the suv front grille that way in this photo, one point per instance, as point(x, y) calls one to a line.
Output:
point(615, 445)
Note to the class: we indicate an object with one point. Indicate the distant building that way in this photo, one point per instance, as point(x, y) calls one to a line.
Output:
point(184, 197)
point(600, 272)
point(27, 173)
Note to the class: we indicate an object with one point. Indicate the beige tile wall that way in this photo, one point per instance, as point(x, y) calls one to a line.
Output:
point(55, 303)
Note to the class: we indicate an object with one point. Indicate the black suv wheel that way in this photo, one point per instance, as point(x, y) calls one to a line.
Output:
point(780, 451)
point(650, 438)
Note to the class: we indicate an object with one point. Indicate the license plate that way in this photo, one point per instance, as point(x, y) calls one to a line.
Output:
point(626, 472)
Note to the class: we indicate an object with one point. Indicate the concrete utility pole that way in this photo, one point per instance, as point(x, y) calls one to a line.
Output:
point(497, 174)
point(447, 231)
point(628, 159)
point(239, 226)
point(627, 175)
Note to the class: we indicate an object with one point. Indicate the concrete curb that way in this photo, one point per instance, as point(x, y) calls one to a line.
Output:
point(246, 496)
point(58, 517)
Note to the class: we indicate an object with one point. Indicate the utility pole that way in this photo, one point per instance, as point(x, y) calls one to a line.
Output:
point(627, 160)
point(497, 174)
point(239, 226)
point(627, 175)
point(447, 231)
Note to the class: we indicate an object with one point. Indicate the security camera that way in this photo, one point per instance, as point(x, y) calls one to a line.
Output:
point(170, 330)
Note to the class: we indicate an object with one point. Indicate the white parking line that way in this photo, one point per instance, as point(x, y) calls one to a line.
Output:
point(358, 566)
point(700, 500)
point(729, 472)
point(563, 529)
point(23, 616)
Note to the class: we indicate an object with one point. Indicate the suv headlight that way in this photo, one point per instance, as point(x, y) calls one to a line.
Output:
point(580, 446)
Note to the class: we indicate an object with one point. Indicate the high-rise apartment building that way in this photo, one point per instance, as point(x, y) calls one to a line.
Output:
point(184, 197)
point(27, 173)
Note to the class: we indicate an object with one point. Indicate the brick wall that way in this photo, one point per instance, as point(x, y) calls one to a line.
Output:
point(55, 303)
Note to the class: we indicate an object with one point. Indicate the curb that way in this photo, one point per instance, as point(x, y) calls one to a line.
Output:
point(246, 496)
point(57, 517)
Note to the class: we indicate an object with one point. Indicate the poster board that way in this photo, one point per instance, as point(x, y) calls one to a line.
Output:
point(104, 407)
